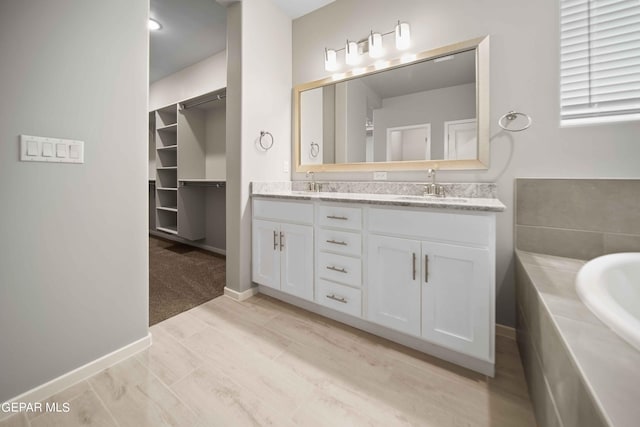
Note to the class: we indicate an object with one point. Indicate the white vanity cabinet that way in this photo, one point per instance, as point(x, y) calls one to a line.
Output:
point(419, 276)
point(282, 246)
point(438, 284)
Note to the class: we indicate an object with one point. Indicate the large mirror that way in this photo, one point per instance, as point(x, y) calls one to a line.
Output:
point(432, 111)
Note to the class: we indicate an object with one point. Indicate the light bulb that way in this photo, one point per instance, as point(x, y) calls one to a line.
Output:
point(375, 45)
point(351, 53)
point(330, 60)
point(403, 36)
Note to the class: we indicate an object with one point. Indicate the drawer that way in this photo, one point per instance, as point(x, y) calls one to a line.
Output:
point(342, 242)
point(339, 297)
point(279, 210)
point(340, 217)
point(340, 268)
point(474, 228)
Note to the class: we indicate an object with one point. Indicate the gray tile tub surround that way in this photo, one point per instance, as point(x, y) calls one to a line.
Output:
point(579, 372)
point(578, 218)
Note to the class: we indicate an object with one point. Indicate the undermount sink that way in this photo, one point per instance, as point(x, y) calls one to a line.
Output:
point(433, 199)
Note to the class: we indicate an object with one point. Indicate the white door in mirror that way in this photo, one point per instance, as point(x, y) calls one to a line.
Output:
point(51, 150)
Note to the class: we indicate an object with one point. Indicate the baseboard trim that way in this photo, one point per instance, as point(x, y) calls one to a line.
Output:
point(506, 331)
point(56, 385)
point(187, 242)
point(240, 296)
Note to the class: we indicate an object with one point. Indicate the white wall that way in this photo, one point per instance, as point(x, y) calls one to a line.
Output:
point(215, 158)
point(73, 245)
point(524, 76)
point(258, 98)
point(432, 106)
point(205, 76)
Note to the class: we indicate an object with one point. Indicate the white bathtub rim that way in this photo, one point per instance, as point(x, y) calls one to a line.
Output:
point(601, 303)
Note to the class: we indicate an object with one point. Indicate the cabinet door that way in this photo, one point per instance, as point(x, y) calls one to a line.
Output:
point(393, 289)
point(266, 253)
point(296, 265)
point(456, 298)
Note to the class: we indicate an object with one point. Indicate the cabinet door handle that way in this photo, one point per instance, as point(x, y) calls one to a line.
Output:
point(426, 269)
point(339, 270)
point(281, 241)
point(335, 298)
point(414, 266)
point(275, 240)
point(335, 242)
point(342, 218)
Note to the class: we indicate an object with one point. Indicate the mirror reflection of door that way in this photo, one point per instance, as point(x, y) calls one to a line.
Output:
point(460, 140)
point(409, 143)
point(311, 133)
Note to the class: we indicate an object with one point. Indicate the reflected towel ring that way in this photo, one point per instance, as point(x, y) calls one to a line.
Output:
point(262, 143)
point(315, 150)
point(512, 115)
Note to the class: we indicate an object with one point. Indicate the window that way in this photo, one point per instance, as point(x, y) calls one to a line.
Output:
point(599, 60)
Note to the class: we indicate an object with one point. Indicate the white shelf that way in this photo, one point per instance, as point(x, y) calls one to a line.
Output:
point(168, 147)
point(167, 209)
point(202, 180)
point(168, 229)
point(166, 189)
point(173, 127)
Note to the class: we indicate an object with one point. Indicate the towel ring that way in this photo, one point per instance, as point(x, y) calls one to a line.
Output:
point(262, 143)
point(512, 115)
point(314, 150)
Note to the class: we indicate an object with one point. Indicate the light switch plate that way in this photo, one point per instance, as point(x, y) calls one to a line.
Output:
point(51, 150)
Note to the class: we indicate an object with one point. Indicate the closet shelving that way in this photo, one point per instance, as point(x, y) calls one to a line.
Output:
point(166, 121)
point(185, 133)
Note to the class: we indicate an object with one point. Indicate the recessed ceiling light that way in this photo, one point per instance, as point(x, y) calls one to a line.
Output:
point(154, 25)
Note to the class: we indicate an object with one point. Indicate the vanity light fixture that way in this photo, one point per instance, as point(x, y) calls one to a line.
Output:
point(351, 55)
point(403, 36)
point(372, 44)
point(330, 60)
point(375, 45)
point(153, 25)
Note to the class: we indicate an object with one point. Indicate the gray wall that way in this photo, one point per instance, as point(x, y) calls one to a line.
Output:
point(258, 98)
point(73, 238)
point(524, 76)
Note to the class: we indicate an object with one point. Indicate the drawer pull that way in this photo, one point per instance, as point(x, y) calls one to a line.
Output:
point(342, 218)
point(339, 270)
point(426, 269)
point(275, 240)
point(335, 298)
point(335, 242)
point(414, 266)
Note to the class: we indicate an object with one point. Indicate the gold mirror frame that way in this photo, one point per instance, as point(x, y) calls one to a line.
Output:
point(481, 45)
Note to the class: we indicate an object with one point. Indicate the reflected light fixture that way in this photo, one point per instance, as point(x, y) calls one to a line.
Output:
point(375, 45)
point(351, 56)
point(153, 25)
point(403, 36)
point(330, 60)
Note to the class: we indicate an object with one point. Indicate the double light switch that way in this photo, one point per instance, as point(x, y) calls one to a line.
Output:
point(55, 150)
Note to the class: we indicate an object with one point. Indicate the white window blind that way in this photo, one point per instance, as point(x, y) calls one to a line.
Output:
point(599, 58)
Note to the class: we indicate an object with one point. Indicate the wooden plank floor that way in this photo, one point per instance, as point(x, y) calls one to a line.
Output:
point(264, 362)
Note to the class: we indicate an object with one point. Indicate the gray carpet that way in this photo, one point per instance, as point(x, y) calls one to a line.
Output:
point(181, 277)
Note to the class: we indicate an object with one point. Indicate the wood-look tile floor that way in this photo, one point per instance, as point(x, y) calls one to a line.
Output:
point(264, 362)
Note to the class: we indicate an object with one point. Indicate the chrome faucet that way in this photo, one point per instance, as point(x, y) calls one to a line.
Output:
point(433, 189)
point(313, 186)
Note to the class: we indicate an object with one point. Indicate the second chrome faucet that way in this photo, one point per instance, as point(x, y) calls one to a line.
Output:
point(433, 189)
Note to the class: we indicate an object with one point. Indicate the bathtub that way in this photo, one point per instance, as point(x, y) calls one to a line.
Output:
point(610, 287)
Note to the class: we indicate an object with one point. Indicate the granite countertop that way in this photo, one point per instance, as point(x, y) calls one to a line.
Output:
point(608, 364)
point(472, 197)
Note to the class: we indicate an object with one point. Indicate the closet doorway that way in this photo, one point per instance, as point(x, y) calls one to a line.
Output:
point(187, 162)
